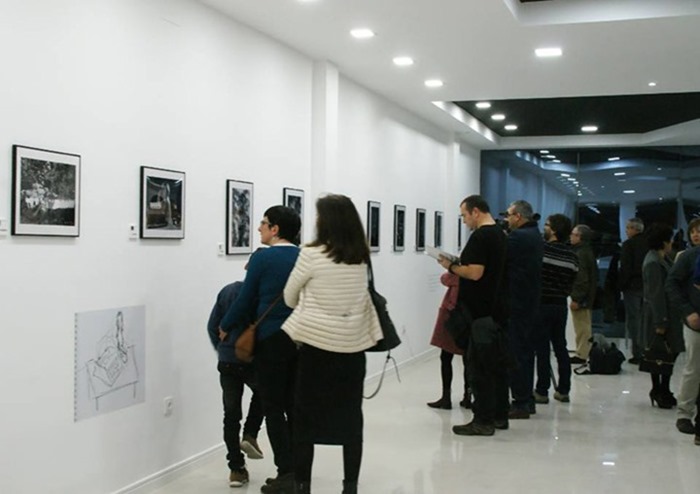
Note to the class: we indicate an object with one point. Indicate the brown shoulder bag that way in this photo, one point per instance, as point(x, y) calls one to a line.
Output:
point(245, 344)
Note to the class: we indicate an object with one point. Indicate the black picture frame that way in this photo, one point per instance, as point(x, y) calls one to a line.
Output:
point(399, 228)
point(373, 230)
point(45, 192)
point(294, 198)
point(437, 229)
point(162, 204)
point(420, 229)
point(239, 217)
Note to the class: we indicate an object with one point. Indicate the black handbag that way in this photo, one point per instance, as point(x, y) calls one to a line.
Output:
point(658, 357)
point(390, 338)
point(458, 325)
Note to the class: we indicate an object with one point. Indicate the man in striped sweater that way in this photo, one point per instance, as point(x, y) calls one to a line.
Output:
point(559, 268)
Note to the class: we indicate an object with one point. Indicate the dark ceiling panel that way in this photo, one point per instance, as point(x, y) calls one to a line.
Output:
point(628, 114)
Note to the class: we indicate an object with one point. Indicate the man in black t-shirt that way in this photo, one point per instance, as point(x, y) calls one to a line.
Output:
point(482, 292)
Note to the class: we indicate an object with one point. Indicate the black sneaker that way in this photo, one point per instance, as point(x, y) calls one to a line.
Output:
point(474, 429)
point(282, 484)
point(685, 426)
point(634, 360)
point(577, 360)
point(501, 425)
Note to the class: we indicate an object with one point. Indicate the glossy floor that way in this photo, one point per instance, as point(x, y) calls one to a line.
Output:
point(607, 440)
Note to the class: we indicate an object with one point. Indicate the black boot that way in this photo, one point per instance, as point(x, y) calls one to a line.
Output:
point(303, 488)
point(444, 402)
point(349, 487)
point(467, 401)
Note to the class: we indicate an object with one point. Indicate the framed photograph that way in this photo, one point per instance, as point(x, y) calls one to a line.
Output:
point(461, 233)
point(399, 228)
point(162, 203)
point(373, 208)
point(420, 229)
point(438, 229)
point(294, 198)
point(239, 217)
point(45, 192)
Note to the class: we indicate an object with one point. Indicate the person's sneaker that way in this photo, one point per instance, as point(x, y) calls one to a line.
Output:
point(474, 429)
point(540, 399)
point(466, 402)
point(249, 445)
point(561, 397)
point(501, 425)
point(238, 477)
point(518, 413)
point(634, 360)
point(685, 426)
point(282, 484)
point(576, 360)
point(442, 403)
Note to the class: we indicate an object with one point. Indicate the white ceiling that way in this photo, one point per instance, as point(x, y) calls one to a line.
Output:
point(484, 49)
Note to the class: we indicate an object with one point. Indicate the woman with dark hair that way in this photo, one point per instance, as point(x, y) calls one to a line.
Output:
point(275, 354)
point(659, 316)
point(333, 321)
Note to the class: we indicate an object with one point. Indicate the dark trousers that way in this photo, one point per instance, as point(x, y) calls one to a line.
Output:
point(352, 459)
point(233, 377)
point(446, 374)
point(633, 321)
point(520, 334)
point(275, 363)
point(550, 328)
point(488, 377)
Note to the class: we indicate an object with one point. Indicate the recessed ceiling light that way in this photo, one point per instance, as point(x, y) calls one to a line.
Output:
point(483, 105)
point(619, 174)
point(511, 127)
point(614, 158)
point(498, 116)
point(556, 161)
point(589, 128)
point(544, 151)
point(550, 156)
point(433, 83)
point(629, 191)
point(658, 169)
point(403, 61)
point(548, 52)
point(362, 33)
point(571, 179)
point(661, 198)
point(652, 84)
point(565, 175)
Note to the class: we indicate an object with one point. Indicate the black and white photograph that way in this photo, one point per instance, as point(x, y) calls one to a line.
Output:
point(45, 192)
point(461, 233)
point(294, 198)
point(399, 228)
point(373, 208)
point(162, 203)
point(438, 229)
point(420, 229)
point(239, 217)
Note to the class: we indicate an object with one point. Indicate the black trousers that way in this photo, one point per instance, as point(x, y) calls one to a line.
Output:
point(488, 362)
point(233, 377)
point(275, 363)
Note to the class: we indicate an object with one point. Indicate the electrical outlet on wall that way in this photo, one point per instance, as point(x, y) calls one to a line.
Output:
point(168, 405)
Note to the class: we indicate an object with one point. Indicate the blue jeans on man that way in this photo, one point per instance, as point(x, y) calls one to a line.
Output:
point(520, 333)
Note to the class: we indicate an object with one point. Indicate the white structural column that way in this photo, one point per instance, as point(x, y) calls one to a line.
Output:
point(453, 187)
point(324, 130)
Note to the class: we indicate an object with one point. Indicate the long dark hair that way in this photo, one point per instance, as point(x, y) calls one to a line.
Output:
point(339, 230)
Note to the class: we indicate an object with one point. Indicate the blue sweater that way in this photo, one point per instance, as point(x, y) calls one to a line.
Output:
point(267, 274)
point(224, 300)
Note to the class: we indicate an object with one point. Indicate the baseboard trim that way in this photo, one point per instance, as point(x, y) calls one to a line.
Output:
point(173, 472)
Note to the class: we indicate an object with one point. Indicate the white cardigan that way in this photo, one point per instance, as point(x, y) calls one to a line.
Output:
point(332, 307)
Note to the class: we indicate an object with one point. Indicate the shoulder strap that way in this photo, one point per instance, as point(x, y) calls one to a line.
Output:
point(381, 378)
point(370, 274)
point(267, 311)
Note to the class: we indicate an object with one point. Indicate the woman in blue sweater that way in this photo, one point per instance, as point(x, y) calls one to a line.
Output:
point(275, 353)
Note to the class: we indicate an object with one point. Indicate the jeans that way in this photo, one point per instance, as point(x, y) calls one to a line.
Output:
point(233, 377)
point(275, 362)
point(551, 328)
point(633, 321)
point(520, 337)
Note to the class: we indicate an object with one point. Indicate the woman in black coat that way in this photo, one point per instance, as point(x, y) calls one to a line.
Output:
point(660, 317)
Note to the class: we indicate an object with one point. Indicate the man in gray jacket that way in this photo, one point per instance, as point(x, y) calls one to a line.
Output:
point(686, 297)
point(583, 293)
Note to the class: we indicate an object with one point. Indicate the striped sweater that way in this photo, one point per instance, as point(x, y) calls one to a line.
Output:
point(332, 307)
point(559, 268)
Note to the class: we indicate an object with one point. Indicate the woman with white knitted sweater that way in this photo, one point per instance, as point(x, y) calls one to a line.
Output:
point(333, 322)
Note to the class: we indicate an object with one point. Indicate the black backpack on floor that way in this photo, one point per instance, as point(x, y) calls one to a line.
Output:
point(604, 358)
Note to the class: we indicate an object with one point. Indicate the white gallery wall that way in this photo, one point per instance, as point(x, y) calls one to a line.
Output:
point(172, 84)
